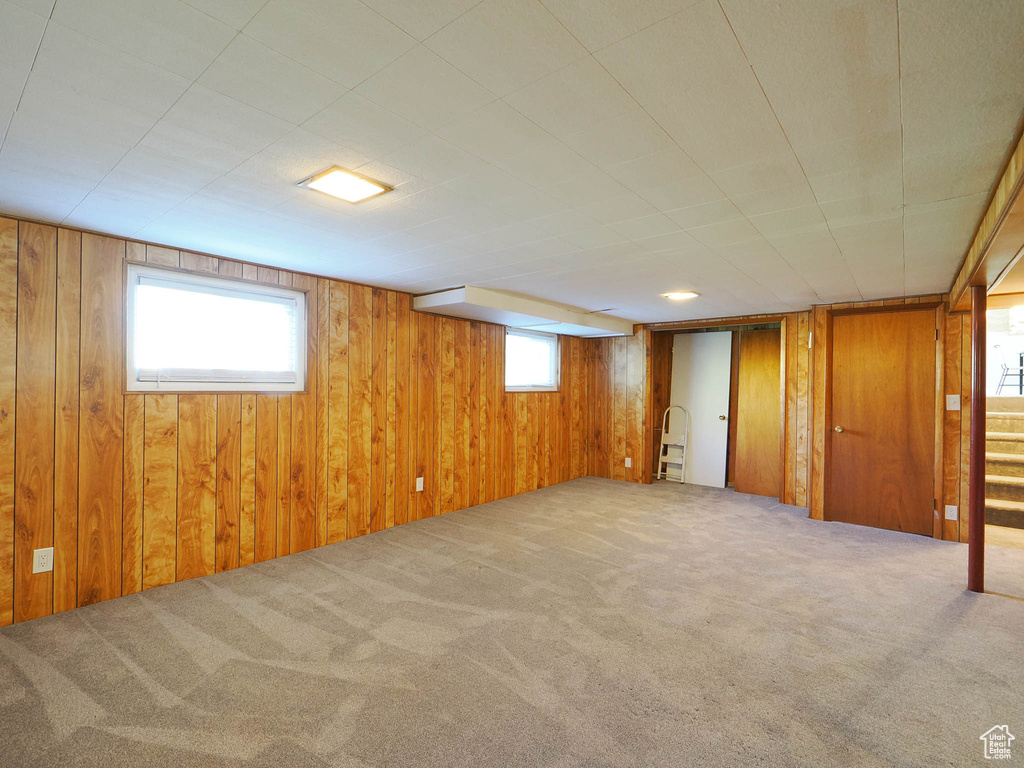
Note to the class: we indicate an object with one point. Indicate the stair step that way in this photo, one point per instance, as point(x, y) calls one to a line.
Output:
point(1005, 437)
point(1005, 480)
point(1009, 514)
point(1005, 414)
point(1004, 404)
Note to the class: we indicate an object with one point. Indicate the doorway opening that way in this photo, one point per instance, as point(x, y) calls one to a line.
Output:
point(730, 381)
point(1004, 425)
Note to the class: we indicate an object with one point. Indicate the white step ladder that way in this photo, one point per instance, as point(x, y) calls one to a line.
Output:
point(678, 440)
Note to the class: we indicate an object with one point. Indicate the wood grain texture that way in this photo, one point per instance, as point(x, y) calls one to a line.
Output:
point(304, 405)
point(403, 389)
point(360, 425)
point(284, 467)
point(247, 480)
point(379, 413)
point(446, 377)
point(337, 414)
point(160, 491)
point(951, 425)
point(390, 410)
point(65, 439)
point(882, 469)
point(133, 493)
point(323, 381)
point(461, 455)
point(8, 390)
point(34, 433)
point(101, 412)
point(265, 513)
point(758, 469)
point(197, 473)
point(228, 482)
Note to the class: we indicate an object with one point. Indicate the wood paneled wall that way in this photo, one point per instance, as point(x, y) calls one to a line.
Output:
point(138, 490)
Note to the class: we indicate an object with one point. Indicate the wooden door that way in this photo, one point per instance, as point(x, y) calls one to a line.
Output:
point(700, 383)
point(881, 471)
point(758, 467)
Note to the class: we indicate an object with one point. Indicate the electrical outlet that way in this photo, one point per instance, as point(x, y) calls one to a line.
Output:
point(629, 462)
point(951, 512)
point(952, 402)
point(419, 484)
point(42, 560)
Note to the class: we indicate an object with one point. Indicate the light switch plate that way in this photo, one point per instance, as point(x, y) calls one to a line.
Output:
point(629, 462)
point(419, 484)
point(951, 512)
point(952, 402)
point(42, 560)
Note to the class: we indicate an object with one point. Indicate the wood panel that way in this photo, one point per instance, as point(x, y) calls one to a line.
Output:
point(360, 425)
point(65, 467)
point(197, 498)
point(8, 389)
point(34, 432)
point(758, 468)
point(101, 412)
point(228, 481)
point(147, 489)
point(160, 491)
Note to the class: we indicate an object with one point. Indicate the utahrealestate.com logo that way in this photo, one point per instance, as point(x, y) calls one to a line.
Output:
point(997, 742)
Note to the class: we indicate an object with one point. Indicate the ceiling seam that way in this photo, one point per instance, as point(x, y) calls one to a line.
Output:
point(24, 85)
point(903, 149)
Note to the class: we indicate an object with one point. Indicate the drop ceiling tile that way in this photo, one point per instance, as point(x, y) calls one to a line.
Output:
point(41, 8)
point(96, 70)
point(775, 199)
point(434, 159)
point(621, 138)
point(496, 131)
point(599, 24)
point(223, 119)
point(725, 233)
point(253, 74)
point(655, 170)
point(572, 99)
point(295, 157)
point(168, 33)
point(683, 193)
point(622, 206)
point(546, 162)
point(645, 226)
point(235, 13)
point(89, 136)
point(704, 214)
point(341, 39)
point(180, 146)
point(362, 125)
point(20, 34)
point(425, 89)
point(420, 19)
point(807, 218)
point(586, 189)
point(677, 242)
point(488, 184)
point(565, 222)
point(249, 193)
point(857, 210)
point(478, 43)
point(530, 205)
point(120, 209)
point(958, 171)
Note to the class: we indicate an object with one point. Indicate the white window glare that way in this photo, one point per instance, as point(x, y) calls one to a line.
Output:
point(196, 333)
point(531, 361)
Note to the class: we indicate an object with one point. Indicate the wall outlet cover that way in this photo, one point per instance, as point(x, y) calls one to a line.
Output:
point(952, 402)
point(629, 462)
point(951, 512)
point(419, 484)
point(42, 560)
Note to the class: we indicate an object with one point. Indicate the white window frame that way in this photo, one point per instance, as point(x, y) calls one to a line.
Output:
point(556, 359)
point(211, 284)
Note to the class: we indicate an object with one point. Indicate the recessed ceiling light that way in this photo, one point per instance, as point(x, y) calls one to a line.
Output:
point(337, 182)
point(681, 296)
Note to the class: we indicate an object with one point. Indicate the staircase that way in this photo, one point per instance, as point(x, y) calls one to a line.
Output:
point(1004, 462)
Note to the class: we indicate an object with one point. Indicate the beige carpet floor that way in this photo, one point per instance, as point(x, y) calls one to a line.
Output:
point(594, 623)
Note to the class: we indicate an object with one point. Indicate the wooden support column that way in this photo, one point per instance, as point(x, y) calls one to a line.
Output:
point(976, 498)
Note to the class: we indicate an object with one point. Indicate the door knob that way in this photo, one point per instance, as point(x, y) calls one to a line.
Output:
point(839, 429)
point(721, 418)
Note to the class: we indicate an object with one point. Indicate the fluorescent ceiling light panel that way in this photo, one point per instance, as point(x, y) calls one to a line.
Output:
point(681, 295)
point(346, 185)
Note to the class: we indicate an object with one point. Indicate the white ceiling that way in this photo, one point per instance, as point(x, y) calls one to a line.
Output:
point(769, 155)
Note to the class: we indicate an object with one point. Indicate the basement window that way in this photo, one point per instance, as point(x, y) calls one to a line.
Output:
point(201, 333)
point(531, 361)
